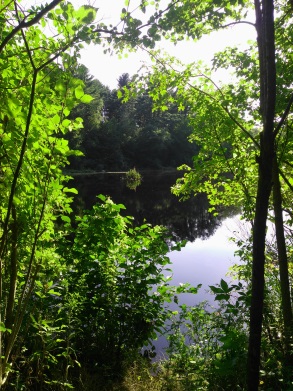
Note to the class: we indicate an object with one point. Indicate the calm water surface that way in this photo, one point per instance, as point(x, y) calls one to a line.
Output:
point(208, 254)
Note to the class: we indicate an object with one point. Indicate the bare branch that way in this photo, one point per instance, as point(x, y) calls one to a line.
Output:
point(238, 22)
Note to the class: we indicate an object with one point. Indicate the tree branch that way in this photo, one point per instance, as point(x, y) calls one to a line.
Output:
point(284, 116)
point(24, 24)
point(286, 180)
point(288, 163)
point(6, 6)
point(225, 108)
point(238, 22)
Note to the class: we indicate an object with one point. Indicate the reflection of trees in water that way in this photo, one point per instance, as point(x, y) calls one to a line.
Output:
point(193, 221)
point(152, 202)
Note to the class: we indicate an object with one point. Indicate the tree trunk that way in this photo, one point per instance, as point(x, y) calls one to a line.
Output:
point(283, 261)
point(266, 47)
point(257, 295)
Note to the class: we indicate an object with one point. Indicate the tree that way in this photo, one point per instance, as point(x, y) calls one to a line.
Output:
point(117, 135)
point(116, 266)
point(37, 94)
point(241, 146)
point(86, 139)
point(248, 150)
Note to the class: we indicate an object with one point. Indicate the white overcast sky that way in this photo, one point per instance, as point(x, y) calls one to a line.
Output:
point(108, 68)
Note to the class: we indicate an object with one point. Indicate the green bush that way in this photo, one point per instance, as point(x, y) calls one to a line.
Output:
point(133, 179)
point(113, 268)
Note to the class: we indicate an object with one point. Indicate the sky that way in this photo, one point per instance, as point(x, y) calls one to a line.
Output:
point(107, 68)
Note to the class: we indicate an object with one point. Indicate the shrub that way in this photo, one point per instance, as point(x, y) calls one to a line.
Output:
point(133, 179)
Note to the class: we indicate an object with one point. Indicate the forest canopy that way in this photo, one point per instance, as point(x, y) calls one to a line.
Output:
point(117, 136)
point(76, 292)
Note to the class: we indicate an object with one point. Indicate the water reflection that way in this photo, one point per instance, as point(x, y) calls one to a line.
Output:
point(201, 261)
point(152, 202)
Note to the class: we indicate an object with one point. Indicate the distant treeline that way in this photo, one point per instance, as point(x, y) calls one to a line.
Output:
point(119, 136)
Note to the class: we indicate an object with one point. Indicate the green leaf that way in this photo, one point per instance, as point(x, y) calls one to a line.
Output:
point(224, 286)
point(86, 98)
point(56, 119)
point(102, 197)
point(222, 297)
point(39, 284)
point(216, 289)
point(70, 190)
point(66, 123)
point(66, 111)
point(86, 14)
point(78, 92)
point(66, 219)
point(41, 295)
point(3, 328)
point(52, 292)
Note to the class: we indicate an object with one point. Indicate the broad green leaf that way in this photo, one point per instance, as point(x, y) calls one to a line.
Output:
point(222, 297)
point(3, 328)
point(70, 190)
point(224, 285)
point(66, 123)
point(86, 98)
point(66, 112)
point(56, 119)
point(78, 92)
point(66, 219)
point(216, 289)
point(52, 292)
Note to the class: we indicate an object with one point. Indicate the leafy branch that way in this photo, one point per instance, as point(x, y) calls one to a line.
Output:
point(24, 24)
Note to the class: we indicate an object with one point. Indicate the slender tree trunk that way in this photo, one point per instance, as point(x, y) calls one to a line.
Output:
point(266, 47)
point(13, 272)
point(257, 298)
point(283, 262)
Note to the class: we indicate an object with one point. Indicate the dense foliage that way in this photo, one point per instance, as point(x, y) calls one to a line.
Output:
point(117, 136)
point(101, 308)
point(244, 142)
point(80, 296)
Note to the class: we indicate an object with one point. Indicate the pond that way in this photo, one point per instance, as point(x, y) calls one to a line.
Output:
point(208, 253)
